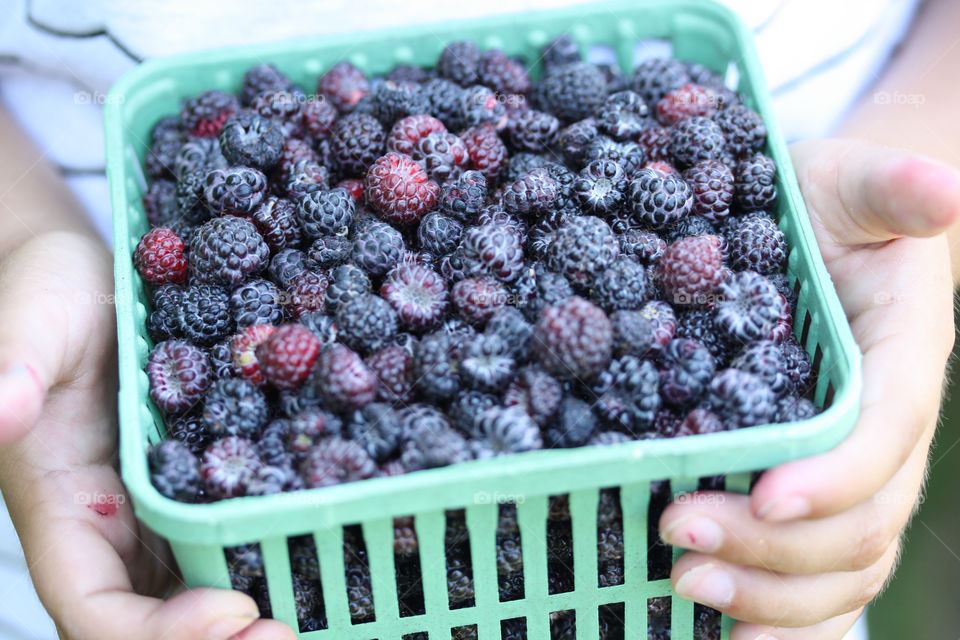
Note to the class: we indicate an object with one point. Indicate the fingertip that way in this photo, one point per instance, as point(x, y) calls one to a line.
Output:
point(21, 400)
point(921, 195)
point(266, 630)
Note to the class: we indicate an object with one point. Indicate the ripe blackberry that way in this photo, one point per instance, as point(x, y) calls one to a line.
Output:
point(487, 152)
point(687, 101)
point(627, 394)
point(609, 438)
point(159, 257)
point(263, 77)
point(750, 307)
point(627, 154)
point(782, 282)
point(417, 293)
point(600, 187)
point(431, 442)
point(203, 115)
point(664, 321)
point(235, 407)
point(272, 445)
point(234, 191)
point(712, 185)
point(436, 367)
point(532, 130)
point(377, 248)
point(356, 141)
point(443, 155)
point(686, 369)
point(227, 250)
point(573, 339)
point(228, 467)
point(393, 368)
point(256, 302)
point(287, 356)
point(794, 409)
point(174, 470)
point(477, 299)
point(336, 461)
point(658, 201)
point(343, 379)
point(439, 234)
point(458, 62)
point(743, 129)
point(191, 203)
point(560, 51)
point(407, 132)
point(399, 189)
point(249, 140)
point(535, 192)
point(502, 74)
point(323, 213)
point(536, 392)
point(443, 99)
point(572, 91)
point(505, 431)
point(479, 105)
point(694, 140)
point(655, 143)
point(582, 249)
point(305, 292)
point(322, 325)
point(276, 220)
point(283, 109)
point(623, 116)
point(486, 363)
point(203, 314)
point(623, 285)
point(160, 202)
point(317, 117)
point(346, 282)
point(509, 324)
point(575, 424)
point(645, 246)
point(160, 161)
point(797, 364)
point(691, 269)
point(305, 176)
point(522, 163)
point(573, 140)
point(633, 333)
point(376, 428)
point(198, 154)
point(463, 197)
point(366, 323)
point(466, 407)
point(741, 399)
point(765, 359)
point(758, 245)
point(756, 183)
point(653, 78)
point(179, 374)
point(700, 325)
point(327, 252)
point(492, 249)
point(191, 431)
point(344, 85)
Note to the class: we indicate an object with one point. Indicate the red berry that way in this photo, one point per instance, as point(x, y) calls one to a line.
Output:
point(287, 356)
point(573, 339)
point(398, 188)
point(408, 132)
point(655, 142)
point(683, 102)
point(478, 299)
point(487, 151)
point(343, 84)
point(159, 257)
point(662, 167)
point(344, 380)
point(243, 348)
point(307, 291)
point(393, 367)
point(353, 186)
point(691, 269)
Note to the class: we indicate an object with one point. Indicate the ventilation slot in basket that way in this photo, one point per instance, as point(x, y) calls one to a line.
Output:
point(356, 569)
point(466, 632)
point(563, 625)
point(559, 545)
point(610, 549)
point(509, 554)
point(459, 565)
point(611, 621)
point(706, 622)
point(245, 565)
point(406, 558)
point(307, 589)
point(711, 483)
point(513, 629)
point(659, 555)
point(658, 617)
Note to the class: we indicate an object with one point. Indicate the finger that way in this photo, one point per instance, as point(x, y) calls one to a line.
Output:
point(832, 629)
point(266, 630)
point(865, 193)
point(723, 525)
point(781, 600)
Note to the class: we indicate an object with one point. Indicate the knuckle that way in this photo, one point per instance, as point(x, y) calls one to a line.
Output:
point(874, 540)
point(872, 581)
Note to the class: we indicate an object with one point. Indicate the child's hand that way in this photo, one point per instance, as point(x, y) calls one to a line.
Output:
point(58, 468)
point(817, 538)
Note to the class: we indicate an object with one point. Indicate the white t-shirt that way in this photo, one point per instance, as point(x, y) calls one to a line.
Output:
point(58, 59)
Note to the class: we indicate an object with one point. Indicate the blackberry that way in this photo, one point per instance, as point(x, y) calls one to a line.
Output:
point(609, 438)
point(573, 140)
point(750, 307)
point(399, 189)
point(505, 431)
point(645, 246)
point(487, 151)
point(322, 325)
point(376, 428)
point(436, 367)
point(327, 252)
point(560, 51)
point(662, 318)
point(160, 160)
point(522, 163)
point(439, 234)
point(541, 288)
point(344, 85)
point(712, 185)
point(700, 421)
point(432, 443)
point(628, 155)
point(199, 154)
point(356, 141)
point(393, 368)
point(458, 62)
point(658, 201)
point(477, 299)
point(283, 109)
point(487, 363)
point(574, 426)
point(741, 399)
point(479, 105)
point(494, 250)
point(782, 282)
point(203, 314)
point(249, 140)
point(336, 461)
point(502, 74)
point(573, 339)
point(305, 176)
point(343, 379)
point(756, 183)
point(686, 369)
point(305, 292)
point(765, 359)
point(272, 445)
point(226, 251)
point(797, 364)
point(276, 220)
point(600, 187)
point(517, 334)
point(694, 140)
point(228, 467)
point(174, 471)
point(407, 132)
point(308, 427)
point(323, 213)
point(236, 190)
point(757, 245)
point(622, 286)
point(346, 282)
point(794, 409)
point(418, 295)
point(655, 143)
point(532, 130)
point(627, 394)
point(692, 225)
point(536, 392)
point(256, 302)
point(465, 409)
point(191, 431)
point(443, 99)
point(377, 248)
point(743, 129)
point(653, 78)
point(366, 323)
point(463, 197)
point(572, 91)
point(235, 407)
point(689, 100)
point(203, 115)
point(263, 77)
point(699, 325)
point(167, 128)
point(443, 155)
point(160, 202)
point(633, 333)
point(582, 249)
point(623, 116)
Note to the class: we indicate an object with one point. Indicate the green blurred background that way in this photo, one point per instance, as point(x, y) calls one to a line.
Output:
point(923, 600)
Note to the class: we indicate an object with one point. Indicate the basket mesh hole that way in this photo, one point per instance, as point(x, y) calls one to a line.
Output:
point(466, 632)
point(828, 396)
point(817, 361)
point(563, 625)
point(610, 549)
point(611, 621)
point(659, 555)
point(509, 554)
point(706, 622)
point(805, 332)
point(245, 565)
point(406, 557)
point(356, 568)
point(307, 589)
point(459, 564)
point(651, 48)
point(658, 617)
point(513, 629)
point(419, 635)
point(602, 54)
point(711, 483)
point(559, 545)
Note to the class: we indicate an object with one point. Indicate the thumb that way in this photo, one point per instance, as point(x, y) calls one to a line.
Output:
point(861, 192)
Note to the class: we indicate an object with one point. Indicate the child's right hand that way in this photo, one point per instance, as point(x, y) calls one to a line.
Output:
point(58, 465)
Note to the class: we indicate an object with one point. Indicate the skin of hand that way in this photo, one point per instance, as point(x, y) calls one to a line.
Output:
point(817, 538)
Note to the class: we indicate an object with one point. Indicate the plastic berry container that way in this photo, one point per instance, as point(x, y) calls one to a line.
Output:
point(697, 30)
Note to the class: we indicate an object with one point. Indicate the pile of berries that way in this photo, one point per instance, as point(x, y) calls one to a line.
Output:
point(440, 265)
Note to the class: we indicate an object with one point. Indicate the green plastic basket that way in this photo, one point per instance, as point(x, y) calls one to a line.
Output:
point(700, 31)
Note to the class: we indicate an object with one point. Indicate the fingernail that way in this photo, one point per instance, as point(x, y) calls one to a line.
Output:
point(764, 636)
point(695, 533)
point(784, 509)
point(229, 627)
point(21, 371)
point(708, 585)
